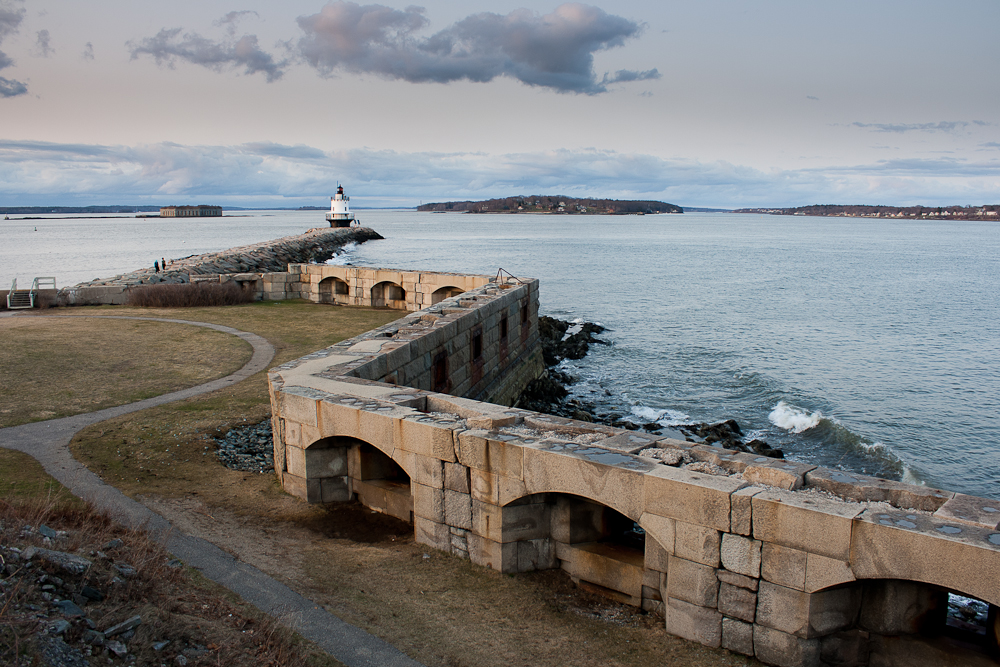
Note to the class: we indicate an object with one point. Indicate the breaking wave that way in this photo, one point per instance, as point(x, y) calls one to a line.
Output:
point(793, 418)
point(343, 256)
point(645, 414)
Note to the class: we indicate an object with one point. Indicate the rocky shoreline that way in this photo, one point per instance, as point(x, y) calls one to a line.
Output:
point(549, 394)
point(316, 245)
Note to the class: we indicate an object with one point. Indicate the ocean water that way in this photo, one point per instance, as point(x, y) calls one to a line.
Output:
point(867, 345)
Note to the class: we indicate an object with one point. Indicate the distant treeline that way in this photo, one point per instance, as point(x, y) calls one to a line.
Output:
point(553, 204)
point(78, 209)
point(987, 212)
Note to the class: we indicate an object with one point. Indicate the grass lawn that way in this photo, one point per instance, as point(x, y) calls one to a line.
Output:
point(56, 367)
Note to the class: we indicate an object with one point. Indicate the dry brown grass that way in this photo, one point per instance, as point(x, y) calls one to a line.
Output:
point(174, 603)
point(55, 367)
point(168, 450)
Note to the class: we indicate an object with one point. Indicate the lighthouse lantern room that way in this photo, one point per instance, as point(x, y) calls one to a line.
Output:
point(340, 210)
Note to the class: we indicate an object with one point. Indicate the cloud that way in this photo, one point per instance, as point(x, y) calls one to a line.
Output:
point(269, 174)
point(625, 75)
point(42, 46)
point(10, 23)
point(88, 51)
point(553, 50)
point(298, 152)
point(943, 126)
point(12, 88)
point(812, 97)
point(10, 19)
point(230, 20)
point(169, 45)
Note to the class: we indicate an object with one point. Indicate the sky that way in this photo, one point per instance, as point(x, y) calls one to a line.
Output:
point(717, 103)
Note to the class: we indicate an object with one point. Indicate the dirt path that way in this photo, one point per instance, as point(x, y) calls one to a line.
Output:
point(48, 442)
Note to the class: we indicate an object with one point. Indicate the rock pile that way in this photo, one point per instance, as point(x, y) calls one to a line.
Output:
point(84, 597)
point(248, 448)
point(316, 245)
point(51, 594)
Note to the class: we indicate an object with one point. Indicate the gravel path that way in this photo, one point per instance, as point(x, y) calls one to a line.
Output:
point(48, 442)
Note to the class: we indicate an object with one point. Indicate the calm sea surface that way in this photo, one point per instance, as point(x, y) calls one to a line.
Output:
point(869, 345)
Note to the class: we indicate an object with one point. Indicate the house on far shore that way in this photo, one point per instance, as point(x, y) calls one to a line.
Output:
point(191, 212)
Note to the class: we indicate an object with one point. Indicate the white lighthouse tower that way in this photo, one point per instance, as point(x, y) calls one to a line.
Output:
point(340, 210)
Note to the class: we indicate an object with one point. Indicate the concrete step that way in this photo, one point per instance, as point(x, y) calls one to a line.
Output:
point(19, 299)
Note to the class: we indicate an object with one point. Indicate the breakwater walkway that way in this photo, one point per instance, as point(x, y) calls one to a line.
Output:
point(48, 443)
point(315, 245)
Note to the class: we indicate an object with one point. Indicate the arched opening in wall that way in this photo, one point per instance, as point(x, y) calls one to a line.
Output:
point(931, 624)
point(601, 549)
point(388, 294)
point(379, 482)
point(331, 288)
point(442, 293)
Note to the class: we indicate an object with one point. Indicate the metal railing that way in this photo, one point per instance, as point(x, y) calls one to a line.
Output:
point(25, 298)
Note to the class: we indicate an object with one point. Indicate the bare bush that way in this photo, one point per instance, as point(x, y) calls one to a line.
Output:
point(189, 295)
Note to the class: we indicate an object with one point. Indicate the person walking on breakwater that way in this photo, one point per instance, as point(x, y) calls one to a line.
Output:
point(163, 264)
point(156, 266)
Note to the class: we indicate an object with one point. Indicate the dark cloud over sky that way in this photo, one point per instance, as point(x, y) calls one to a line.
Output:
point(169, 45)
point(942, 126)
point(553, 50)
point(10, 22)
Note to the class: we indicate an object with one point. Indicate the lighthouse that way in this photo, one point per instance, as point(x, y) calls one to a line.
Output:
point(340, 210)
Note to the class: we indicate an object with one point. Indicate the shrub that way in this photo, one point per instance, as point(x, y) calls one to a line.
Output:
point(189, 295)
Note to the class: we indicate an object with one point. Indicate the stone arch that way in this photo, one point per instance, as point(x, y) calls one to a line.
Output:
point(388, 294)
point(602, 549)
point(895, 617)
point(345, 467)
point(333, 290)
point(442, 293)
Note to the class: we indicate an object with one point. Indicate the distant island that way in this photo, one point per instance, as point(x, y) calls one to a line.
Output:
point(987, 212)
point(553, 204)
point(77, 209)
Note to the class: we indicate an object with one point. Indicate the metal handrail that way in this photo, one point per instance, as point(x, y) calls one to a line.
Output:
point(39, 283)
point(501, 271)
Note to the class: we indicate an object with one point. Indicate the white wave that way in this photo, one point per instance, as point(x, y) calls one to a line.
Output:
point(572, 331)
point(342, 257)
point(647, 413)
point(664, 417)
point(910, 477)
point(794, 419)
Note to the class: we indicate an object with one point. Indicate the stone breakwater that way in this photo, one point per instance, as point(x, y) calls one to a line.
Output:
point(316, 245)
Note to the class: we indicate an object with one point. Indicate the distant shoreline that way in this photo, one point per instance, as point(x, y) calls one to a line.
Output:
point(984, 212)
